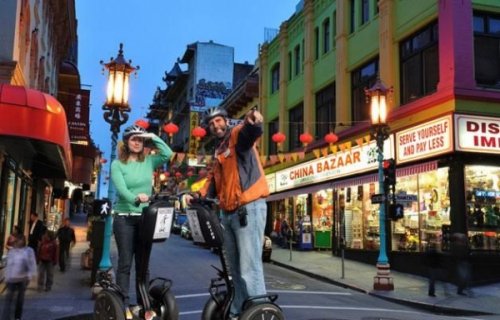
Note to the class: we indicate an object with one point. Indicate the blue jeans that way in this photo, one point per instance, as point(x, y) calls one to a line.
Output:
point(244, 252)
point(12, 289)
point(126, 231)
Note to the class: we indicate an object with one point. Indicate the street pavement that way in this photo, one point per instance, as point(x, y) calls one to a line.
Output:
point(70, 297)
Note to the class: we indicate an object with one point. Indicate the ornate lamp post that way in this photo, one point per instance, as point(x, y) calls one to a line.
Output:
point(115, 113)
point(377, 97)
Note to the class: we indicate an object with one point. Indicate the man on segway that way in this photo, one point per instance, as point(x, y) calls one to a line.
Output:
point(239, 183)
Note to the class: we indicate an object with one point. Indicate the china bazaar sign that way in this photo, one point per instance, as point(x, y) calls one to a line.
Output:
point(477, 134)
point(426, 140)
point(358, 159)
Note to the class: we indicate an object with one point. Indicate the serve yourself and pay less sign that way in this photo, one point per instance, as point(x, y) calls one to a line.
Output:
point(426, 140)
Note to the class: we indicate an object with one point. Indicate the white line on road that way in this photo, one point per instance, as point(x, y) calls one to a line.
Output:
point(196, 295)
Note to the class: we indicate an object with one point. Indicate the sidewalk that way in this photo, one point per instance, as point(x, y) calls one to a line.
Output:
point(408, 289)
point(70, 297)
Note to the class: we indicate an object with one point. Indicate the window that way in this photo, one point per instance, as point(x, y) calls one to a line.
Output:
point(352, 15)
point(326, 35)
point(487, 49)
point(273, 127)
point(365, 11)
point(316, 43)
point(275, 78)
point(296, 119)
point(325, 111)
point(362, 78)
point(419, 64)
point(290, 65)
point(297, 59)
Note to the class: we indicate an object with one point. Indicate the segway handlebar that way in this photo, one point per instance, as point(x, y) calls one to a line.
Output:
point(158, 196)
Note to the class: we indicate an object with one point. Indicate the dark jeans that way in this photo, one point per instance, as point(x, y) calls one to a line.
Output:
point(12, 289)
point(45, 275)
point(127, 237)
point(63, 256)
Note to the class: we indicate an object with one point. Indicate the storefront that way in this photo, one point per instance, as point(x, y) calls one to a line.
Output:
point(448, 180)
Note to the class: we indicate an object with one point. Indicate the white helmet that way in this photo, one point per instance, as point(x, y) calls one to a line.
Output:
point(130, 131)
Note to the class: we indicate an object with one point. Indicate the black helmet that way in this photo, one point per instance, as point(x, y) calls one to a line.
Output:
point(129, 131)
point(212, 113)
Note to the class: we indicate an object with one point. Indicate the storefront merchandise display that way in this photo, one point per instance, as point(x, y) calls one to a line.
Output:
point(482, 185)
point(423, 219)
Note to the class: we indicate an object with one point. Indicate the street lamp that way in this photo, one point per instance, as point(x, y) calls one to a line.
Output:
point(377, 97)
point(115, 113)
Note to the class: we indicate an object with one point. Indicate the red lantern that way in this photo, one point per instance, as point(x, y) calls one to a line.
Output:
point(178, 174)
point(306, 138)
point(199, 133)
point(103, 161)
point(331, 138)
point(189, 174)
point(278, 137)
point(171, 128)
point(142, 123)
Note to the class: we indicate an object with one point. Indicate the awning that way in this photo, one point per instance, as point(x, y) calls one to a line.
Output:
point(30, 118)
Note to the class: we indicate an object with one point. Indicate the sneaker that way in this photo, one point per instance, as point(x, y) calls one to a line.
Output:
point(128, 314)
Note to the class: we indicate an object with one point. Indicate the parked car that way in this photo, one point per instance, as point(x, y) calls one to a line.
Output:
point(179, 219)
point(186, 231)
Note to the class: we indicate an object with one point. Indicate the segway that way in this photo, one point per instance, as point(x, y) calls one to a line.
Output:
point(206, 226)
point(158, 303)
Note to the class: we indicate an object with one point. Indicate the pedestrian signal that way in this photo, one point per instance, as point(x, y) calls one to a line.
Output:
point(396, 211)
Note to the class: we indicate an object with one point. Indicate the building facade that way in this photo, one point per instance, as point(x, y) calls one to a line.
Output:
point(38, 49)
point(440, 60)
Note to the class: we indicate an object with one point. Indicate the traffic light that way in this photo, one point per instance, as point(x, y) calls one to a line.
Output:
point(389, 166)
point(396, 211)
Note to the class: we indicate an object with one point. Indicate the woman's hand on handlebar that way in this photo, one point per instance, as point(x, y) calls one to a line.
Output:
point(141, 197)
point(189, 197)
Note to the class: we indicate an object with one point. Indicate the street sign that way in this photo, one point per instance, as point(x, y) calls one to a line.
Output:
point(378, 198)
point(406, 197)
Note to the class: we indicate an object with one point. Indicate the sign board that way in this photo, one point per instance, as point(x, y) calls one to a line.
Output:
point(344, 163)
point(164, 219)
point(378, 198)
point(426, 140)
point(194, 226)
point(406, 198)
point(271, 182)
point(477, 134)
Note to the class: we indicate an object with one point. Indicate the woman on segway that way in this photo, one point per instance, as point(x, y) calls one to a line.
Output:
point(132, 175)
point(238, 181)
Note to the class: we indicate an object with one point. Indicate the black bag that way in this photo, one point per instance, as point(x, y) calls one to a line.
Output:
point(205, 225)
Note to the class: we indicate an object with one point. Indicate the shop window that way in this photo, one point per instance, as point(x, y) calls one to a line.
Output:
point(424, 219)
point(322, 218)
point(482, 186)
point(357, 218)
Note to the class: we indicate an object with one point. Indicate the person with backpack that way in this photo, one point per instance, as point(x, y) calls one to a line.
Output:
point(47, 257)
point(20, 269)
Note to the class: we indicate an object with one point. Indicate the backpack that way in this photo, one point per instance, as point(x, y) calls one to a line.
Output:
point(47, 251)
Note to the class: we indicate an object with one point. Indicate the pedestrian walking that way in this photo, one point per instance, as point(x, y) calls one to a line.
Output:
point(37, 229)
point(11, 240)
point(460, 254)
point(67, 239)
point(20, 269)
point(47, 258)
point(433, 263)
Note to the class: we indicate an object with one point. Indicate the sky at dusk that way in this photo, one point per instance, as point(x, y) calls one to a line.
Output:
point(155, 33)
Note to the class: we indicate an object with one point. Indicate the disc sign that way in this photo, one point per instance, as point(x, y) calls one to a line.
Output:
point(378, 198)
point(194, 226)
point(163, 225)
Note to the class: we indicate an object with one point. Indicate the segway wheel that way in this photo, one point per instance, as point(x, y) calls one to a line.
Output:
point(108, 306)
point(169, 309)
point(262, 311)
point(213, 310)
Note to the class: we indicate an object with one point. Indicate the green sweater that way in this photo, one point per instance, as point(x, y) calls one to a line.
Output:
point(136, 177)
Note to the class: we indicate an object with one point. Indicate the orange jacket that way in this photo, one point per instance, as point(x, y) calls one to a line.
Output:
point(237, 174)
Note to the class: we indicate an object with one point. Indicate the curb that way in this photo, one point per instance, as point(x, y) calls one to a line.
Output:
point(411, 303)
